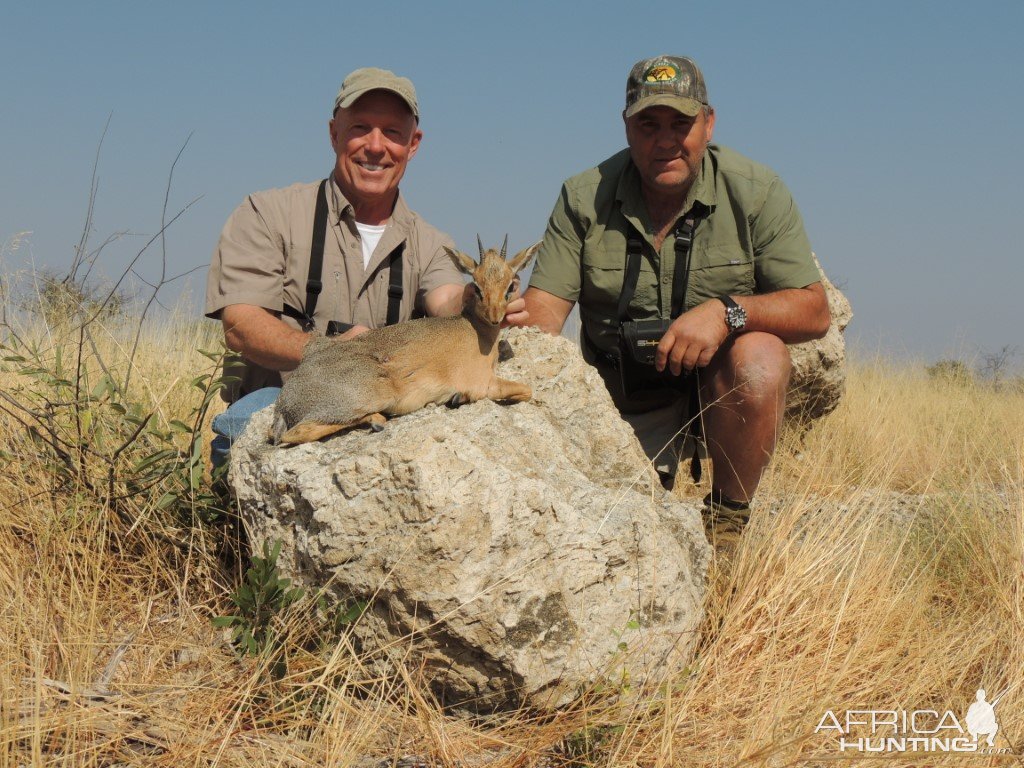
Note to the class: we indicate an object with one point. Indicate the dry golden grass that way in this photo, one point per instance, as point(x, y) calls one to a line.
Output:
point(882, 570)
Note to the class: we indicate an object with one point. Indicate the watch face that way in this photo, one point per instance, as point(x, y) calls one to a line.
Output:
point(735, 318)
point(735, 315)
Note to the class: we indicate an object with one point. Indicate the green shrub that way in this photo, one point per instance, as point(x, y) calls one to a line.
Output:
point(261, 598)
point(265, 602)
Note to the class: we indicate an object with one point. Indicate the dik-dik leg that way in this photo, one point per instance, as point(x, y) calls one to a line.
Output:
point(311, 431)
point(511, 391)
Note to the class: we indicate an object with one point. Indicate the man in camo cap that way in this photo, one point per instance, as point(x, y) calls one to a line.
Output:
point(689, 251)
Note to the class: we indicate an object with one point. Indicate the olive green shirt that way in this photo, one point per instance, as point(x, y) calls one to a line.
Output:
point(750, 240)
point(262, 259)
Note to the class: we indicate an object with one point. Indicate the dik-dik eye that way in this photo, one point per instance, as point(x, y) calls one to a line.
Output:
point(479, 293)
point(510, 290)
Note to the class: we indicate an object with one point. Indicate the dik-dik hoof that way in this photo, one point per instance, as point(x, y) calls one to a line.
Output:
point(505, 351)
point(457, 399)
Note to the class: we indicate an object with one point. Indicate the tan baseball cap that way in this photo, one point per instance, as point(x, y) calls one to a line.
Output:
point(368, 79)
point(670, 81)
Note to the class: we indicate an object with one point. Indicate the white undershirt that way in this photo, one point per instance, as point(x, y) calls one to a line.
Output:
point(369, 235)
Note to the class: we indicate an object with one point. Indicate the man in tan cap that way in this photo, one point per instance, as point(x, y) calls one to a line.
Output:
point(692, 272)
point(338, 256)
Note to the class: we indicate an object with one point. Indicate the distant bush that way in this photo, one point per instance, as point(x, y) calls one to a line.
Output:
point(951, 371)
point(60, 301)
point(994, 371)
point(996, 368)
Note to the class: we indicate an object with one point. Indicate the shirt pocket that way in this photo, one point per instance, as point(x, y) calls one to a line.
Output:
point(296, 267)
point(604, 270)
point(720, 270)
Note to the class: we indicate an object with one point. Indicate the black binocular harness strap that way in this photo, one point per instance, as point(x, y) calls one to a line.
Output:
point(395, 284)
point(680, 277)
point(634, 250)
point(314, 284)
point(680, 280)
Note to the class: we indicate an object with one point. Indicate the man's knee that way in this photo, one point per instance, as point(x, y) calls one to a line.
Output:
point(756, 364)
point(229, 425)
point(232, 422)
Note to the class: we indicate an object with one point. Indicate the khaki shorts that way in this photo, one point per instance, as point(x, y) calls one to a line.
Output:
point(664, 436)
point(664, 431)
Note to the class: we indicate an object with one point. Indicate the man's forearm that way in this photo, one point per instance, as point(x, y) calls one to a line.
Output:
point(546, 311)
point(445, 300)
point(262, 338)
point(794, 315)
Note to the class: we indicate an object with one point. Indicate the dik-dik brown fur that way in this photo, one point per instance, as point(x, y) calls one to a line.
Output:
point(400, 368)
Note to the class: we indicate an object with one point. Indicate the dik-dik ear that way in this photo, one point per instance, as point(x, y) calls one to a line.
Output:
point(462, 261)
point(521, 259)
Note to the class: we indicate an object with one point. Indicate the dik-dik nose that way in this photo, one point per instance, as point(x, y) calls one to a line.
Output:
point(495, 313)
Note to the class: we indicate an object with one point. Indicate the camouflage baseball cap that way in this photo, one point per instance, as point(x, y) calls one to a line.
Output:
point(671, 81)
point(368, 79)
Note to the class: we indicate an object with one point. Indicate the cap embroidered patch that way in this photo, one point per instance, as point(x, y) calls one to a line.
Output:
point(661, 73)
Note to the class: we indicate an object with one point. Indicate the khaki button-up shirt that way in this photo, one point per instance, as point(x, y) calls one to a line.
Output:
point(262, 259)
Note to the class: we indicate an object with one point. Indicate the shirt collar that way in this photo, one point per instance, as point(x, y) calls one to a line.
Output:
point(703, 190)
point(338, 204)
point(339, 207)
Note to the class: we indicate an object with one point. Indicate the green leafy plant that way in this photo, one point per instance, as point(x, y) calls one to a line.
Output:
point(632, 624)
point(260, 600)
point(68, 359)
point(587, 746)
point(265, 602)
point(98, 438)
point(616, 679)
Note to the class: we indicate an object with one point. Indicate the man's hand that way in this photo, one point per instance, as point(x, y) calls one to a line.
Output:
point(693, 338)
point(794, 315)
point(515, 310)
point(351, 333)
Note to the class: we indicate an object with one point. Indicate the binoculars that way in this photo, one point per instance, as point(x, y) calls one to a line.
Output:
point(638, 343)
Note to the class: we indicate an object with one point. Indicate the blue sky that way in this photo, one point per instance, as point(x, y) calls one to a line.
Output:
point(895, 124)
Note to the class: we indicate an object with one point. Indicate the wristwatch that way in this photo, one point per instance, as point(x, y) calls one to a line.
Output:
point(735, 315)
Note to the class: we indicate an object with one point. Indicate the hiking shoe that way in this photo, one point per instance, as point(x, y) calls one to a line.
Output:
point(723, 516)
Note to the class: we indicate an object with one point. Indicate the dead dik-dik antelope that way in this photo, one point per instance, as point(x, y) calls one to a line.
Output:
point(400, 368)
